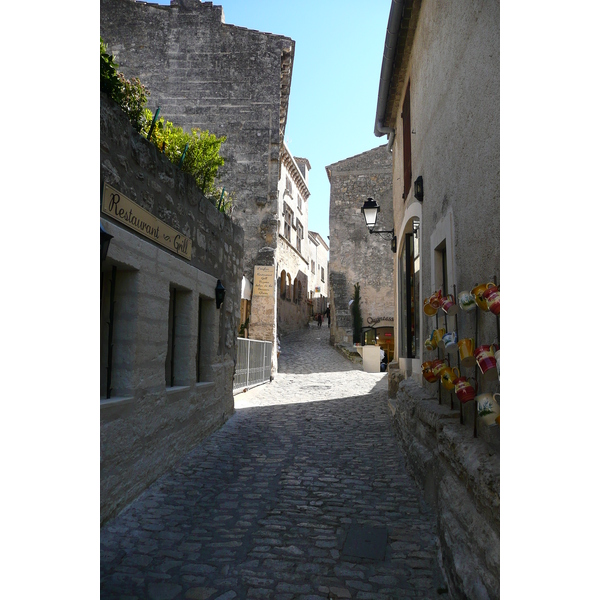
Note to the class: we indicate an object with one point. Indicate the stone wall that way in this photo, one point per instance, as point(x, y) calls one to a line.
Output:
point(230, 80)
point(460, 477)
point(148, 423)
point(355, 256)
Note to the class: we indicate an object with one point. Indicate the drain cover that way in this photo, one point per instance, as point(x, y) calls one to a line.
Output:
point(366, 541)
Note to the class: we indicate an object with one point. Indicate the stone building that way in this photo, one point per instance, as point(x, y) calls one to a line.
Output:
point(356, 256)
point(167, 351)
point(439, 105)
point(318, 276)
point(292, 246)
point(232, 81)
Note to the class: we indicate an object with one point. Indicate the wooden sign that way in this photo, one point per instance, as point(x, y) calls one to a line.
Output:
point(126, 211)
point(264, 281)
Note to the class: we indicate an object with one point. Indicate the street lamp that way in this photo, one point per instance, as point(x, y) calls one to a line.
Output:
point(219, 293)
point(370, 210)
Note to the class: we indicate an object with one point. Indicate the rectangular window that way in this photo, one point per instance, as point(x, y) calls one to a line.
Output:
point(409, 265)
point(288, 216)
point(179, 353)
point(118, 326)
point(288, 185)
point(406, 142)
point(312, 267)
point(323, 274)
point(299, 236)
point(299, 202)
point(199, 342)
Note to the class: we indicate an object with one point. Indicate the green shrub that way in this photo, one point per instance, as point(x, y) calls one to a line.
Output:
point(130, 94)
point(357, 322)
point(202, 159)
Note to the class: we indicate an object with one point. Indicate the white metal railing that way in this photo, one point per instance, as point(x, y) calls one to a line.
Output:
point(253, 364)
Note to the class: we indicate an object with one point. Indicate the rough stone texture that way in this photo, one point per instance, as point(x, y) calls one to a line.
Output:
point(205, 73)
point(460, 477)
point(145, 428)
point(355, 255)
point(263, 508)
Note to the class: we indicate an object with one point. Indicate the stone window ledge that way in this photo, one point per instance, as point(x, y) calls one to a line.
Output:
point(201, 385)
point(116, 401)
point(177, 388)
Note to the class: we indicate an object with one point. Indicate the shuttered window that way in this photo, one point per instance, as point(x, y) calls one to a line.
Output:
point(406, 143)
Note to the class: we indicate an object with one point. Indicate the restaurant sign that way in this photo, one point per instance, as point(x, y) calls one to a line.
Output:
point(264, 281)
point(132, 215)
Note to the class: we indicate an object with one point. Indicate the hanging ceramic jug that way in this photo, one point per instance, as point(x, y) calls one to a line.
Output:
point(488, 409)
point(427, 371)
point(430, 343)
point(466, 349)
point(437, 367)
point(477, 292)
point(466, 301)
point(438, 337)
point(492, 297)
point(464, 390)
point(484, 355)
point(450, 339)
point(448, 305)
point(428, 308)
point(449, 376)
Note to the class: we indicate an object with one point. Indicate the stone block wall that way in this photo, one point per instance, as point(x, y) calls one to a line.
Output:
point(460, 477)
point(355, 256)
point(148, 424)
point(230, 80)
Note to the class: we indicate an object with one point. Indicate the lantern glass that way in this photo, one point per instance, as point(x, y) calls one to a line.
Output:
point(370, 209)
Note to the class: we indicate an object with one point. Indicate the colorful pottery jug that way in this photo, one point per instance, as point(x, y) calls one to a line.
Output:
point(428, 308)
point(436, 299)
point(449, 376)
point(438, 337)
point(430, 343)
point(484, 355)
point(437, 367)
point(464, 390)
point(477, 292)
point(466, 349)
point(427, 371)
point(488, 409)
point(466, 301)
point(492, 297)
point(450, 342)
point(448, 305)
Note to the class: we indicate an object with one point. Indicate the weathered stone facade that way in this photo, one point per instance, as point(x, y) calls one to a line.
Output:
point(318, 275)
point(292, 244)
point(151, 419)
point(229, 80)
point(439, 105)
point(356, 256)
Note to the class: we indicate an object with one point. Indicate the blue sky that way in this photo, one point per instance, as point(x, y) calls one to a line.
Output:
point(335, 79)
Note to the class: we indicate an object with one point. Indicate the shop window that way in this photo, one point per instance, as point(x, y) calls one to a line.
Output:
point(177, 360)
point(406, 146)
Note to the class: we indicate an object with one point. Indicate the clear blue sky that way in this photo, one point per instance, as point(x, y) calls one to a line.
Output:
point(335, 79)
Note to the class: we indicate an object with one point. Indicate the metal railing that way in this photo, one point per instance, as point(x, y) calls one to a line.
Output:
point(253, 364)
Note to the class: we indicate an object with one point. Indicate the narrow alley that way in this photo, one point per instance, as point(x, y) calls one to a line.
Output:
point(302, 494)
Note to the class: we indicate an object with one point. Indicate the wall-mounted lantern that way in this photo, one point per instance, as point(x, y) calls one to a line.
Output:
point(370, 209)
point(419, 188)
point(105, 238)
point(219, 293)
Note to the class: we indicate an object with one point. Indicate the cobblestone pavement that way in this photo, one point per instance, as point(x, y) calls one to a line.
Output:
point(302, 494)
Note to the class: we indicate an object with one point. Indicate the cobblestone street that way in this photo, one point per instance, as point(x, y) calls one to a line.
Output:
point(302, 494)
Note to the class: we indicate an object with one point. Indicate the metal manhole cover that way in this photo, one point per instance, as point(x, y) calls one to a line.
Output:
point(366, 541)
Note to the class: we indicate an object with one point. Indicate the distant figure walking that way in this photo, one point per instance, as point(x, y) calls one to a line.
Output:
point(328, 313)
point(319, 320)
